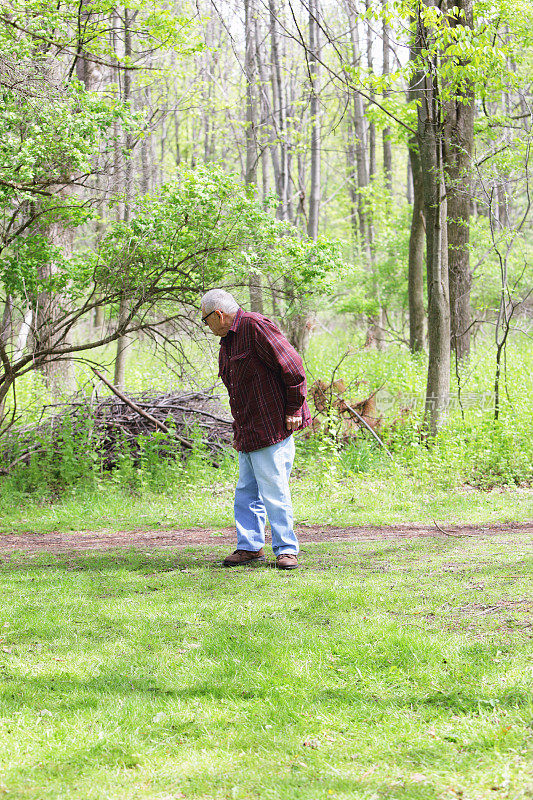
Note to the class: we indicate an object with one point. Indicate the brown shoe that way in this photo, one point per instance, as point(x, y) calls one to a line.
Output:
point(286, 561)
point(240, 557)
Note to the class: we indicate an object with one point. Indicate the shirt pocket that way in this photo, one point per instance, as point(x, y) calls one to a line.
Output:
point(240, 366)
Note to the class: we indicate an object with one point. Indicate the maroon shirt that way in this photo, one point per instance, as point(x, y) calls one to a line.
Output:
point(265, 379)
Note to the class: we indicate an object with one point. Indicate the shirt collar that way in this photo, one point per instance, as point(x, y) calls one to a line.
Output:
point(236, 320)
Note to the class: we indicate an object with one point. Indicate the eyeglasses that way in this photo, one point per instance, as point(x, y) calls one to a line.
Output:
point(208, 315)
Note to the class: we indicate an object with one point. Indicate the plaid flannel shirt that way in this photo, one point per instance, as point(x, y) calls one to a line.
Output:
point(265, 379)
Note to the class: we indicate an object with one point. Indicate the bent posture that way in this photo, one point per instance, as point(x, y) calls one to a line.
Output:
point(266, 384)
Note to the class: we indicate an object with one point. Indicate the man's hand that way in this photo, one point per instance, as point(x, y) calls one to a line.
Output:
point(293, 423)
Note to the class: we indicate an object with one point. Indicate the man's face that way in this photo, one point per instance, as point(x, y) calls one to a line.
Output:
point(218, 322)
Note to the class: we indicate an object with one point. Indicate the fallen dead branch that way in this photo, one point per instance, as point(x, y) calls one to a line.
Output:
point(455, 535)
point(138, 409)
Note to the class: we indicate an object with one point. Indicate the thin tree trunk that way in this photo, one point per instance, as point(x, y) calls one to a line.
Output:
point(300, 208)
point(177, 151)
point(122, 341)
point(301, 321)
point(6, 332)
point(351, 171)
point(50, 305)
point(376, 332)
point(371, 125)
point(314, 75)
point(280, 169)
point(6, 326)
point(23, 334)
point(429, 135)
point(409, 183)
point(359, 131)
point(364, 155)
point(146, 144)
point(417, 312)
point(387, 146)
point(163, 146)
point(267, 114)
point(458, 150)
point(250, 178)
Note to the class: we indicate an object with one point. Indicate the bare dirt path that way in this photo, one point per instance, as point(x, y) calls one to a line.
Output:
point(82, 541)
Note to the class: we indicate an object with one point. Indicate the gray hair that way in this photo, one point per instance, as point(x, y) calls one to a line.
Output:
point(219, 300)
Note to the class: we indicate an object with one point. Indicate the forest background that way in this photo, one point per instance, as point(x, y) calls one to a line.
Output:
point(360, 172)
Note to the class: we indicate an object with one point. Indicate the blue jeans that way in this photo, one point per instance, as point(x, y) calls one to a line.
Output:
point(263, 490)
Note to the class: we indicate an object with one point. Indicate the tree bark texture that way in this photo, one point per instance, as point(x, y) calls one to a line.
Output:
point(250, 177)
point(122, 341)
point(458, 149)
point(47, 330)
point(49, 307)
point(6, 325)
point(417, 312)
point(370, 67)
point(280, 165)
point(314, 78)
point(429, 135)
point(387, 145)
point(358, 127)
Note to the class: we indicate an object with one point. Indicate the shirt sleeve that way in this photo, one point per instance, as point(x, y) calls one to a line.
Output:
point(279, 355)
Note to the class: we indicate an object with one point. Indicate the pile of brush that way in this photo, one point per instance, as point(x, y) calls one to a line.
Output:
point(177, 420)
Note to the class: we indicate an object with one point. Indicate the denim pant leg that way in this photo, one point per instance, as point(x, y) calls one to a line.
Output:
point(272, 468)
point(250, 514)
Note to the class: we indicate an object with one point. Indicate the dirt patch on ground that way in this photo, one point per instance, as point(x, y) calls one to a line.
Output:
point(82, 541)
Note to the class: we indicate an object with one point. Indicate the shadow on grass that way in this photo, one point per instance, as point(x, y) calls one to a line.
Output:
point(314, 556)
point(129, 560)
point(295, 780)
point(71, 693)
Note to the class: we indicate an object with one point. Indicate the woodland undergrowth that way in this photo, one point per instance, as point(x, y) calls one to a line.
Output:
point(473, 455)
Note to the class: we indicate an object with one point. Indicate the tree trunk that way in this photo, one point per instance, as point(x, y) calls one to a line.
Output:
point(250, 178)
point(417, 313)
point(314, 76)
point(280, 168)
point(370, 67)
point(364, 155)
point(49, 306)
point(49, 309)
point(6, 331)
point(300, 323)
point(267, 114)
point(458, 147)
point(387, 146)
point(409, 183)
point(351, 171)
point(429, 135)
point(122, 341)
point(146, 144)
point(177, 151)
point(6, 326)
point(359, 131)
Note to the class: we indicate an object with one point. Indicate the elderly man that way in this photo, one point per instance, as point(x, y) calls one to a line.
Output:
point(266, 384)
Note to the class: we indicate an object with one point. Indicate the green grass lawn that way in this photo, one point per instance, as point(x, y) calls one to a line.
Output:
point(325, 489)
point(360, 500)
point(399, 670)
